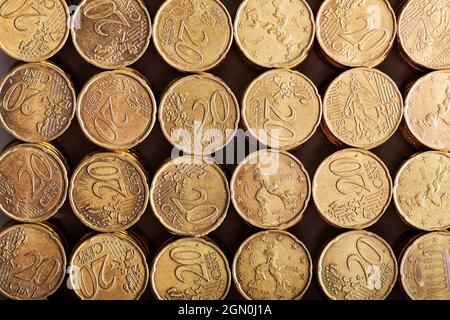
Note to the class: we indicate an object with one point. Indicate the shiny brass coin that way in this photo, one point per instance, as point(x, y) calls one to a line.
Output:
point(190, 269)
point(423, 33)
point(274, 34)
point(111, 34)
point(356, 33)
point(193, 36)
point(352, 189)
point(33, 182)
point(199, 114)
point(272, 265)
point(427, 111)
point(108, 191)
point(116, 109)
point(32, 261)
point(422, 191)
point(37, 102)
point(357, 265)
point(362, 108)
point(282, 109)
point(270, 189)
point(190, 195)
point(33, 30)
point(425, 265)
point(108, 266)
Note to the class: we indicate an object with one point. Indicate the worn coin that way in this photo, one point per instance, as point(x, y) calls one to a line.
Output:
point(199, 114)
point(193, 36)
point(117, 109)
point(108, 191)
point(272, 265)
point(190, 269)
point(282, 109)
point(274, 34)
point(352, 189)
point(357, 265)
point(271, 189)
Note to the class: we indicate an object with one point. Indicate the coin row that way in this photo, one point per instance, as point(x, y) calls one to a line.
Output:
point(269, 265)
point(194, 37)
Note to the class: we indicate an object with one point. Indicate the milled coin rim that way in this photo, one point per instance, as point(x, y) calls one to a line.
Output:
point(173, 64)
point(362, 225)
point(298, 217)
point(330, 130)
point(64, 175)
point(52, 52)
point(127, 72)
point(297, 143)
point(68, 83)
point(204, 240)
point(93, 157)
point(122, 237)
point(370, 64)
point(75, 20)
point(289, 64)
point(198, 76)
point(162, 169)
point(53, 236)
point(339, 238)
point(259, 234)
point(397, 186)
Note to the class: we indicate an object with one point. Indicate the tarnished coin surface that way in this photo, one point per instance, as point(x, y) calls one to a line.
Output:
point(274, 34)
point(190, 195)
point(33, 31)
point(109, 266)
point(32, 261)
point(111, 34)
point(282, 109)
point(352, 189)
point(117, 109)
point(362, 108)
point(37, 102)
point(199, 114)
point(193, 36)
point(190, 269)
point(357, 265)
point(108, 191)
point(272, 265)
point(271, 189)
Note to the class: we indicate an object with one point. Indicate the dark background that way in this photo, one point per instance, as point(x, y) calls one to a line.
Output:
point(155, 149)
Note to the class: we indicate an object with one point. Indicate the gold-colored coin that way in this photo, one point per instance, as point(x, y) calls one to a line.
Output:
point(33, 30)
point(427, 111)
point(37, 102)
point(423, 33)
point(282, 109)
point(109, 191)
point(356, 33)
point(32, 261)
point(362, 108)
point(271, 189)
point(109, 266)
point(422, 191)
point(117, 109)
point(190, 195)
point(352, 189)
point(193, 36)
point(33, 182)
point(111, 34)
point(190, 269)
point(272, 265)
point(274, 34)
point(357, 265)
point(199, 114)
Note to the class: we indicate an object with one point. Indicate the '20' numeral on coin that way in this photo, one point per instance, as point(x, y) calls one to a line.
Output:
point(38, 170)
point(108, 178)
point(189, 260)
